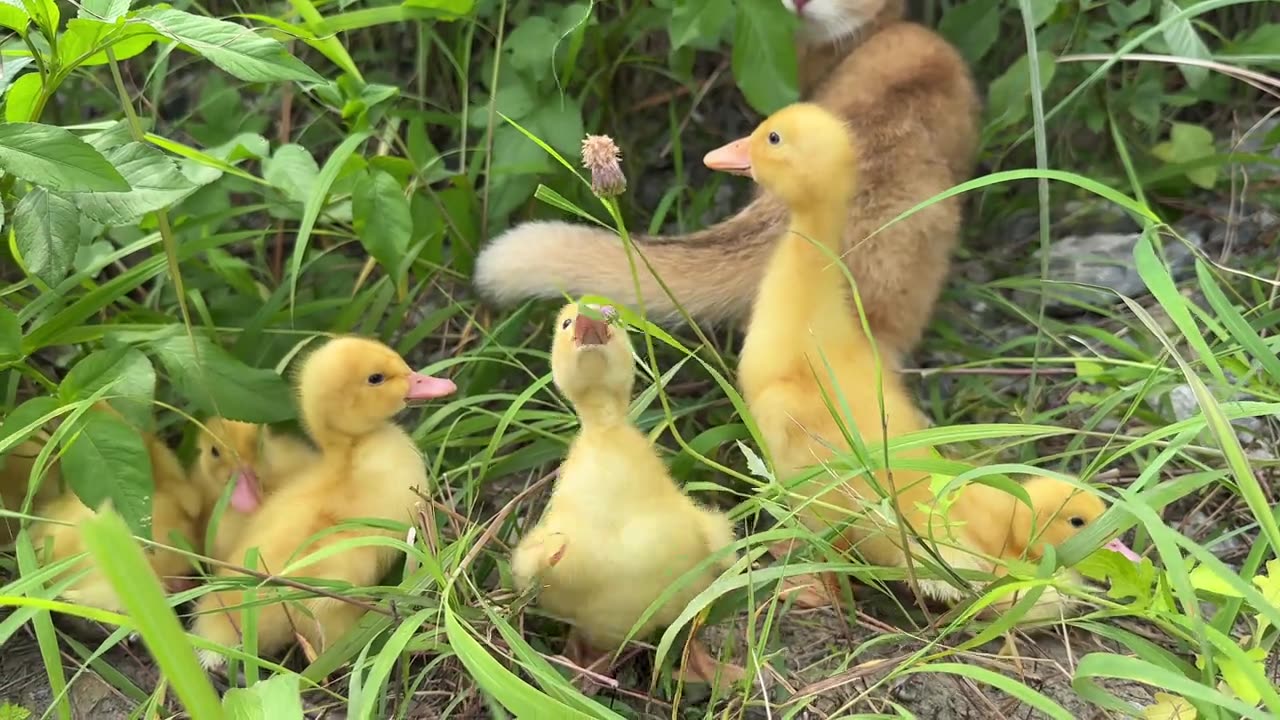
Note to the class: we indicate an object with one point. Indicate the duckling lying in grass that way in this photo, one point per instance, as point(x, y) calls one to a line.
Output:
point(255, 461)
point(805, 342)
point(986, 527)
point(176, 505)
point(369, 468)
point(15, 474)
point(617, 531)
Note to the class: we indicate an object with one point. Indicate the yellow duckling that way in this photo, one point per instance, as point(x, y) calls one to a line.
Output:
point(618, 530)
point(255, 461)
point(369, 468)
point(803, 322)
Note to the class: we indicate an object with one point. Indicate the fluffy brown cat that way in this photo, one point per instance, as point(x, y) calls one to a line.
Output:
point(910, 101)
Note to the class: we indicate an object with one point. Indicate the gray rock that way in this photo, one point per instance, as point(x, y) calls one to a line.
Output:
point(1105, 259)
point(1183, 405)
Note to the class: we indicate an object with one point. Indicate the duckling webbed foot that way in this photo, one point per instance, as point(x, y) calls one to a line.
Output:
point(595, 662)
point(701, 667)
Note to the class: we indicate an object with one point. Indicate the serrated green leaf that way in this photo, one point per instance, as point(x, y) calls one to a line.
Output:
point(22, 95)
point(1204, 578)
point(104, 10)
point(764, 55)
point(12, 16)
point(46, 226)
point(382, 220)
point(275, 697)
point(127, 370)
point(699, 23)
point(972, 27)
point(86, 41)
point(218, 383)
point(1188, 143)
point(292, 170)
point(107, 460)
point(156, 183)
point(236, 49)
point(532, 45)
point(10, 335)
point(1008, 98)
point(54, 158)
point(11, 67)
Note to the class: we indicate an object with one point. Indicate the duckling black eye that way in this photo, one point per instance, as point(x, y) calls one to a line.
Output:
point(376, 379)
point(1077, 522)
point(214, 452)
point(567, 322)
point(774, 138)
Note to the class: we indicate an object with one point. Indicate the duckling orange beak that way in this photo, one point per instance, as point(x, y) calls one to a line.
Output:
point(425, 387)
point(246, 496)
point(589, 332)
point(1118, 546)
point(734, 158)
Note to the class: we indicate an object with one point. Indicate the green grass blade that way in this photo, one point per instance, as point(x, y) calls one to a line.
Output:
point(121, 561)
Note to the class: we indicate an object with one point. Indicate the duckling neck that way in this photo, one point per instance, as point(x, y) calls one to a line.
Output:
point(601, 410)
point(803, 297)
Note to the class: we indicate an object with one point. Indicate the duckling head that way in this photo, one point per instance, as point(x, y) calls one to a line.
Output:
point(802, 153)
point(229, 451)
point(591, 358)
point(352, 386)
point(1061, 511)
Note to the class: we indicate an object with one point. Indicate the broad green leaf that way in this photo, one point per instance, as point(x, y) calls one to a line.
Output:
point(449, 7)
point(104, 10)
point(1188, 143)
point(764, 55)
point(1169, 707)
point(14, 17)
point(532, 46)
point(130, 374)
point(699, 23)
point(558, 123)
point(11, 67)
point(107, 460)
point(1008, 98)
point(86, 41)
point(382, 220)
point(235, 48)
point(21, 99)
point(54, 158)
point(292, 170)
point(275, 697)
point(46, 227)
point(10, 335)
point(1265, 40)
point(1126, 14)
point(1041, 10)
point(315, 203)
point(218, 383)
point(156, 181)
point(439, 10)
point(972, 27)
point(1183, 41)
point(1204, 578)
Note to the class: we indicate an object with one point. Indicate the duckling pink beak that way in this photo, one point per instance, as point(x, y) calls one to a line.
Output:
point(734, 158)
point(425, 387)
point(589, 332)
point(1118, 546)
point(246, 496)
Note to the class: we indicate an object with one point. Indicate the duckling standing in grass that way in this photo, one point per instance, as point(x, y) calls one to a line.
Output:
point(805, 341)
point(176, 505)
point(369, 468)
point(255, 461)
point(617, 531)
